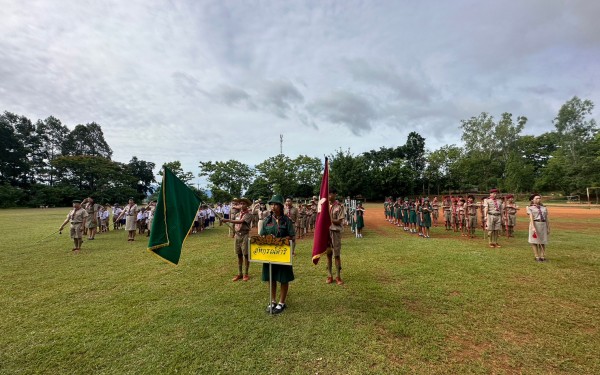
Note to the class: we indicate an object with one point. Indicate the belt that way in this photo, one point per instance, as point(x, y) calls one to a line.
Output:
point(472, 214)
point(542, 221)
point(494, 214)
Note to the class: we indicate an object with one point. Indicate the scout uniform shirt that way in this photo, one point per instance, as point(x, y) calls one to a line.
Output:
point(76, 218)
point(336, 212)
point(291, 212)
point(494, 211)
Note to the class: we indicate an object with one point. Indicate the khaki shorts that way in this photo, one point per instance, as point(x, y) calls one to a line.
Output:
point(494, 222)
point(335, 246)
point(76, 231)
point(241, 244)
point(512, 220)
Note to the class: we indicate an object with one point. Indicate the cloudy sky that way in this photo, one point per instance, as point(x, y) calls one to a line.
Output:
point(217, 80)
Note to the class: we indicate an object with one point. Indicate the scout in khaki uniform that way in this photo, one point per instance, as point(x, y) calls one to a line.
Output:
point(336, 212)
point(493, 214)
point(454, 214)
point(91, 223)
point(462, 217)
point(446, 208)
point(435, 211)
point(539, 227)
point(308, 213)
point(471, 215)
point(510, 212)
point(242, 222)
point(300, 223)
point(130, 212)
point(76, 218)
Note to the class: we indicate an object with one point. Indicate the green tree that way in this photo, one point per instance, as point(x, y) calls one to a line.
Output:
point(231, 176)
point(574, 128)
point(279, 171)
point(175, 167)
point(143, 172)
point(86, 140)
point(14, 166)
point(52, 134)
point(259, 188)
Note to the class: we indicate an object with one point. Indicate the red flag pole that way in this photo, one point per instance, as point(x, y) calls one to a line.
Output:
point(323, 222)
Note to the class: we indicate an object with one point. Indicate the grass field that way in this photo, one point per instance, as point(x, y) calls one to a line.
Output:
point(444, 305)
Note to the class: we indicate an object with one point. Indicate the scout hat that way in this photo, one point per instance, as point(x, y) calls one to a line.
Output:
point(76, 201)
point(276, 199)
point(494, 190)
point(246, 200)
point(509, 196)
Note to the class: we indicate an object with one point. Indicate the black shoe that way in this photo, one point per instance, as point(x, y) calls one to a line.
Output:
point(279, 308)
point(271, 307)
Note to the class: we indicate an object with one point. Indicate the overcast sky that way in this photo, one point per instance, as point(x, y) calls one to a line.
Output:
point(218, 80)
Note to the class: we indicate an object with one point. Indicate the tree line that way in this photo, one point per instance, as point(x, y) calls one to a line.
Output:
point(45, 163)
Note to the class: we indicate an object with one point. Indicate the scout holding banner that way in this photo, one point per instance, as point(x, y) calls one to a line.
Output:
point(273, 248)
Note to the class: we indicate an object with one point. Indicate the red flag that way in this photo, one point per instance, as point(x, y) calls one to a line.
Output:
point(321, 239)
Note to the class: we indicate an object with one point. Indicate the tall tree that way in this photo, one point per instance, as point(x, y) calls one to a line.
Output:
point(175, 167)
point(279, 171)
point(53, 134)
point(143, 172)
point(231, 175)
point(574, 128)
point(13, 155)
point(87, 140)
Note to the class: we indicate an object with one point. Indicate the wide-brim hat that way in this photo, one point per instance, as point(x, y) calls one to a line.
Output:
point(246, 200)
point(276, 199)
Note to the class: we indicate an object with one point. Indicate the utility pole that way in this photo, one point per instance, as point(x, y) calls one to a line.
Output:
point(281, 144)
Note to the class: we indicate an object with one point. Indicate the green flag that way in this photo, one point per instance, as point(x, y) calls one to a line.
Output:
point(173, 217)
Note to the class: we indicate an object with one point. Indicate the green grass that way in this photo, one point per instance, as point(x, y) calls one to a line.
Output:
point(444, 305)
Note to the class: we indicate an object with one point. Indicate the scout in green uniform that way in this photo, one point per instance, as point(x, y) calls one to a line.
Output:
point(539, 227)
point(426, 210)
point(278, 225)
point(359, 220)
point(405, 214)
point(510, 212)
point(76, 218)
point(242, 222)
point(412, 216)
point(493, 214)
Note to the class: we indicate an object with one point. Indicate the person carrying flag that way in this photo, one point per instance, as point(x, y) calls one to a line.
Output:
point(336, 212)
point(279, 225)
point(76, 218)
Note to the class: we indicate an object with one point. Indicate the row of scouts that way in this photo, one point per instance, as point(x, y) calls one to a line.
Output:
point(279, 222)
point(413, 215)
point(87, 217)
point(497, 215)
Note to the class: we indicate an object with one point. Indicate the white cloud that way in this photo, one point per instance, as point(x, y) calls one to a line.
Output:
point(214, 80)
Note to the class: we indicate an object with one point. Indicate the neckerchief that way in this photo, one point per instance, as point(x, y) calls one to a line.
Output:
point(542, 218)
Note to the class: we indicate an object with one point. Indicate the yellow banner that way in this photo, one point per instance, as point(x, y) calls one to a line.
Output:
point(269, 249)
